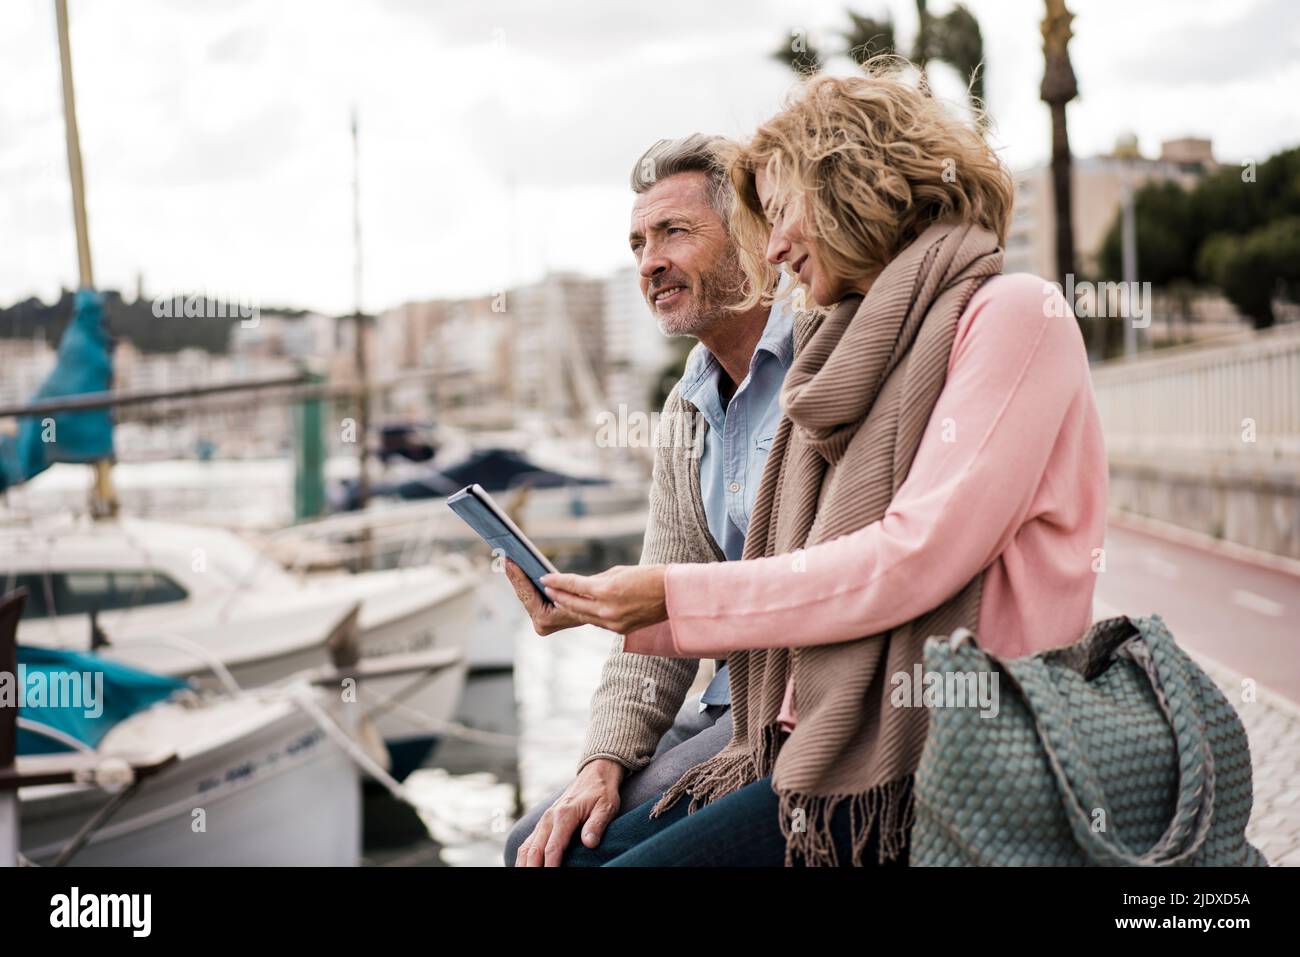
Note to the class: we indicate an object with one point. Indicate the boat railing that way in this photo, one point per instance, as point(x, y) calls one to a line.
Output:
point(54, 734)
point(205, 655)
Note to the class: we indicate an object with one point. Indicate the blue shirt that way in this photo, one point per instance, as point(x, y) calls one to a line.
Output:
point(737, 440)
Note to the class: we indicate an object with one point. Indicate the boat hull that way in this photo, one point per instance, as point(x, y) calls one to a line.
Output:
point(285, 794)
point(430, 703)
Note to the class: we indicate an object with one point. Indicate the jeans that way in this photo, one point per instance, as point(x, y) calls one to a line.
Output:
point(694, 737)
point(739, 830)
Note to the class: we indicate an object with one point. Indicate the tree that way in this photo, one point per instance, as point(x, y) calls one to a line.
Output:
point(799, 54)
point(1166, 241)
point(867, 37)
point(1255, 267)
point(1233, 230)
point(954, 39)
point(1239, 199)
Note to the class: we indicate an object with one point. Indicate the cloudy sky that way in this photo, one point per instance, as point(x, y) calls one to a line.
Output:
point(496, 135)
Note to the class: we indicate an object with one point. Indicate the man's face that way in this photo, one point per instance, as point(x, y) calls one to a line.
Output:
point(687, 262)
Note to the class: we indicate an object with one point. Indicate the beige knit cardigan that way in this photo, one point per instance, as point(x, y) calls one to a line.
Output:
point(639, 696)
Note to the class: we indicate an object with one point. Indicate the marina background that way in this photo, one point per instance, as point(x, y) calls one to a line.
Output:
point(349, 259)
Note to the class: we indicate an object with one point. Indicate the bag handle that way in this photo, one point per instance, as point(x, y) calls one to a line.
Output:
point(1151, 649)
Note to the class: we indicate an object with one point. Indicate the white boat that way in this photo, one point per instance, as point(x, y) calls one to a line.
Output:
point(236, 782)
point(263, 777)
point(166, 595)
point(597, 526)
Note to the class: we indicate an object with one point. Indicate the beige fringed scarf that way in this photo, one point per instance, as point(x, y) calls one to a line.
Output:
point(857, 399)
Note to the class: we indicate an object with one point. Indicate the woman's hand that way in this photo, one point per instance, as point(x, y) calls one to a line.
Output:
point(621, 599)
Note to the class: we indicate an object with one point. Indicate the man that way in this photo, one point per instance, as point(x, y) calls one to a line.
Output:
point(700, 499)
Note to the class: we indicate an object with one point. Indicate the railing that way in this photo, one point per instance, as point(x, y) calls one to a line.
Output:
point(1237, 396)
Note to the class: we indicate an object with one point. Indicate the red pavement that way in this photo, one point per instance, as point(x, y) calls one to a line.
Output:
point(1245, 616)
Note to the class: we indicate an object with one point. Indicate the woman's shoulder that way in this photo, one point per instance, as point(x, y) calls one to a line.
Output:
point(1018, 294)
point(1015, 311)
point(1010, 302)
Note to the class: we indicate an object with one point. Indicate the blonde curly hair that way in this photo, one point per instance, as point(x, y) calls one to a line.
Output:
point(869, 162)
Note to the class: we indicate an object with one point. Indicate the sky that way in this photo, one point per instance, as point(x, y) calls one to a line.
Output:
point(496, 136)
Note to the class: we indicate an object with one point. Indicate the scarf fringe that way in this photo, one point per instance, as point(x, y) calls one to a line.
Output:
point(728, 771)
point(889, 805)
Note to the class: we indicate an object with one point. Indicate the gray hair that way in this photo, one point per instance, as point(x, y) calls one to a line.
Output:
point(697, 153)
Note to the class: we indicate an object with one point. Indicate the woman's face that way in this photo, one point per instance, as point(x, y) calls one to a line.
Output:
point(788, 244)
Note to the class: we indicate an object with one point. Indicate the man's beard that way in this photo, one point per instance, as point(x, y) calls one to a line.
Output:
point(720, 287)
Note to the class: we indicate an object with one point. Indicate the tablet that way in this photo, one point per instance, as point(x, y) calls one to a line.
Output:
point(503, 536)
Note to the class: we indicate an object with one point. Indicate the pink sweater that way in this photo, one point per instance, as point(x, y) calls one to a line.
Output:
point(1010, 476)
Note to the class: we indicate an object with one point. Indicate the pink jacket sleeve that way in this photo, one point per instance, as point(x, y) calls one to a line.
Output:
point(1013, 374)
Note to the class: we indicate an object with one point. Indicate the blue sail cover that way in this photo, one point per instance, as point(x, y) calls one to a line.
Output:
point(84, 365)
point(102, 693)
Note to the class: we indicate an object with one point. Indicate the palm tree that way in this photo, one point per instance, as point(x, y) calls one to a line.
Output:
point(799, 54)
point(954, 39)
point(1059, 88)
point(868, 37)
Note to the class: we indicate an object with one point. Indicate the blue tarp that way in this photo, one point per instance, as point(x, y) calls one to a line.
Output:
point(84, 365)
point(93, 694)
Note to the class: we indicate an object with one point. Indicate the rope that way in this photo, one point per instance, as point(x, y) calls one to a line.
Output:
point(451, 728)
point(301, 695)
point(94, 823)
point(462, 731)
point(209, 658)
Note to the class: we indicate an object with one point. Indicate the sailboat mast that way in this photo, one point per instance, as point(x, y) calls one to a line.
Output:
point(74, 148)
point(363, 373)
point(103, 499)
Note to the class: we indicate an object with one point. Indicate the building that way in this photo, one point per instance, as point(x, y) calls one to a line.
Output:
point(562, 347)
point(636, 351)
point(27, 362)
point(1098, 190)
point(557, 345)
point(288, 336)
point(467, 348)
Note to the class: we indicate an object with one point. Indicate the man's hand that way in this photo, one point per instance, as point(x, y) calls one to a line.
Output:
point(590, 802)
point(547, 619)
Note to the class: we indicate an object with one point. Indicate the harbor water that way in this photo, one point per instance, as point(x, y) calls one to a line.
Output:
point(519, 740)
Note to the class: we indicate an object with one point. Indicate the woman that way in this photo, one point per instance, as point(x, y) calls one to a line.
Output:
point(940, 465)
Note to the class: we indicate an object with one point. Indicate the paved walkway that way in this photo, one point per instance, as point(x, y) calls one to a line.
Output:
point(1273, 727)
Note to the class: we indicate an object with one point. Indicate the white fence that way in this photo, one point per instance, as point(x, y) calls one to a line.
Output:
point(1238, 396)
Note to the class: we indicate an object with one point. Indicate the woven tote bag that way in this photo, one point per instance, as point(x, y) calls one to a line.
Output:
point(1115, 751)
